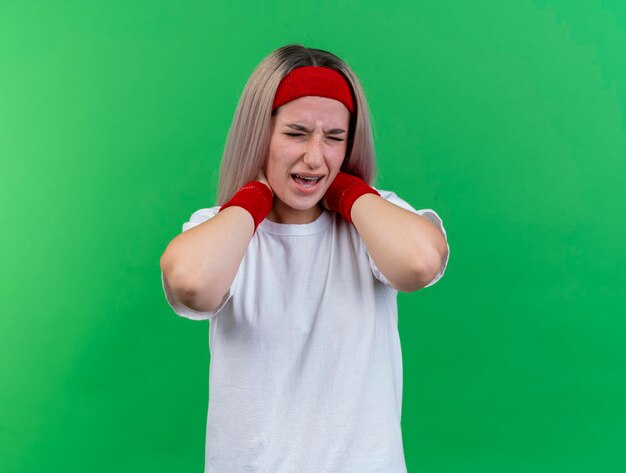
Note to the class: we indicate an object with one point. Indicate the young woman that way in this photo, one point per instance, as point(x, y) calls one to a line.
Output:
point(298, 269)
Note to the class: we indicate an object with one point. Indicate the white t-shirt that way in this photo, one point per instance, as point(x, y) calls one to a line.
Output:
point(306, 367)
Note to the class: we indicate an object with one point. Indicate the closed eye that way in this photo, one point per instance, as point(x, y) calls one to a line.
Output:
point(300, 134)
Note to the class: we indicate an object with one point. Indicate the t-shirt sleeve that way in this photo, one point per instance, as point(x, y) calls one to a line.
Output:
point(179, 308)
point(426, 213)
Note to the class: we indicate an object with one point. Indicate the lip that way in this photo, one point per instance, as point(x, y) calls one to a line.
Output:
point(306, 190)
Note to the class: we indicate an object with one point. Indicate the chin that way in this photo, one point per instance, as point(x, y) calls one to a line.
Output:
point(301, 206)
point(306, 203)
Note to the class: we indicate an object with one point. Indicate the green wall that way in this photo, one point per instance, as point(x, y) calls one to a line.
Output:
point(507, 118)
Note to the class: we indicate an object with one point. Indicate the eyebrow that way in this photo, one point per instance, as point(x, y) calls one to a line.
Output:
point(296, 126)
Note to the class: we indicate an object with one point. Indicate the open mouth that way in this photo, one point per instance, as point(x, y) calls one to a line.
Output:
point(306, 182)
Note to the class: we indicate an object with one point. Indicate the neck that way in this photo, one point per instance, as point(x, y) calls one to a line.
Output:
point(283, 214)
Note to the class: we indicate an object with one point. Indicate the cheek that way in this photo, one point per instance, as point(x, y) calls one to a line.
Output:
point(337, 159)
point(275, 169)
point(334, 167)
point(278, 155)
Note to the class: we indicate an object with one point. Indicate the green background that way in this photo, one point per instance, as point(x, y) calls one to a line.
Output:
point(507, 118)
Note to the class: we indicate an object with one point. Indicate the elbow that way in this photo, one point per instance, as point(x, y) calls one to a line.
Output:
point(424, 267)
point(179, 285)
point(422, 272)
point(187, 290)
point(201, 302)
point(191, 295)
point(430, 269)
point(434, 261)
point(186, 294)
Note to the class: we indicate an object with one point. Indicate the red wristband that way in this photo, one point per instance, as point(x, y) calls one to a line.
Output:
point(343, 191)
point(256, 198)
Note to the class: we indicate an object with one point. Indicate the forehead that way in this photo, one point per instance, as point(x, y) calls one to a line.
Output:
point(312, 108)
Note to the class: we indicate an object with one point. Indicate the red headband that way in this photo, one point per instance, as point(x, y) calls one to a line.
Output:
point(314, 80)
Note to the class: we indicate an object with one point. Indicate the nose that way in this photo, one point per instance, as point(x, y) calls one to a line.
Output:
point(314, 154)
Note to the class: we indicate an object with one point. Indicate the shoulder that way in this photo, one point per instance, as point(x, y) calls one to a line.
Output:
point(200, 216)
point(427, 213)
point(394, 198)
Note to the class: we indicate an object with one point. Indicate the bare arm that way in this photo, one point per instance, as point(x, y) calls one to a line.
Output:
point(200, 264)
point(407, 248)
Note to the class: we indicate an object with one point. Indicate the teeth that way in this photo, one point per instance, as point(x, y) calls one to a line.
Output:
point(308, 178)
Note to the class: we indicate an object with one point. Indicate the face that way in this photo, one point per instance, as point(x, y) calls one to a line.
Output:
point(308, 139)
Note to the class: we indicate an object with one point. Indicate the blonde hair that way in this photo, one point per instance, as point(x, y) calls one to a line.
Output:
point(248, 139)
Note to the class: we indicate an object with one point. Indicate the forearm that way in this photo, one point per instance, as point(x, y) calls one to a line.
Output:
point(200, 264)
point(407, 248)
